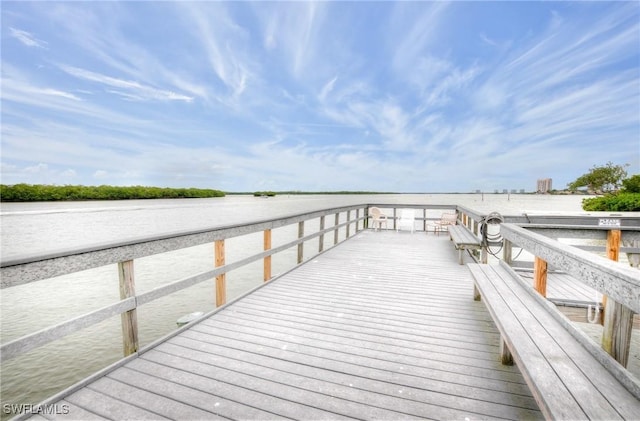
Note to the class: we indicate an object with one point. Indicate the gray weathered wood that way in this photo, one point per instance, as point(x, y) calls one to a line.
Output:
point(30, 268)
point(463, 239)
point(345, 335)
point(610, 278)
point(130, 317)
point(567, 381)
point(616, 334)
point(26, 343)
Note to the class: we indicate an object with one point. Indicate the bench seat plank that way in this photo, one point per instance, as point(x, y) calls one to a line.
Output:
point(566, 380)
point(462, 236)
point(539, 375)
point(463, 239)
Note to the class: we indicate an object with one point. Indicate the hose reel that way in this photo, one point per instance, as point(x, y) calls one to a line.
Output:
point(493, 218)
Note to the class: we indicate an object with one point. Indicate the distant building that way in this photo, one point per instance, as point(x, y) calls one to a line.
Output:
point(544, 185)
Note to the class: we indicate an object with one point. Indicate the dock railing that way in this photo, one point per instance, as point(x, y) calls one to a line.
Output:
point(29, 269)
point(620, 284)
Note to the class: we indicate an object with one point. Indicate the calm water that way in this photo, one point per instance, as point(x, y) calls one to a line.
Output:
point(32, 228)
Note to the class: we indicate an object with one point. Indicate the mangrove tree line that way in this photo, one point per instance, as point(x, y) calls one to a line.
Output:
point(43, 192)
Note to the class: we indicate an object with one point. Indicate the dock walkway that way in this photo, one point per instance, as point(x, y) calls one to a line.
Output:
point(382, 326)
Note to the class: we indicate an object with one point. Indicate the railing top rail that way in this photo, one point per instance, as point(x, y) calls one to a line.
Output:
point(25, 269)
point(578, 227)
point(618, 281)
point(411, 206)
point(582, 221)
point(223, 231)
point(476, 216)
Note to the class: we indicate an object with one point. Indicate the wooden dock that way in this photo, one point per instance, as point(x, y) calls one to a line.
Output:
point(382, 326)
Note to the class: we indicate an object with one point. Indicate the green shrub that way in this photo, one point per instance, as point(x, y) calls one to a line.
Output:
point(620, 202)
point(631, 184)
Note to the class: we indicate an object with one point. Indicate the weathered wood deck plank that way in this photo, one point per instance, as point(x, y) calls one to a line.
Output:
point(568, 381)
point(383, 326)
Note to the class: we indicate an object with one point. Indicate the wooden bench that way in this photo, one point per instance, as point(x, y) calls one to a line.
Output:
point(569, 376)
point(463, 239)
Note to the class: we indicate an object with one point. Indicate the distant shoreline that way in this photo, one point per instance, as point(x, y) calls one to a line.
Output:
point(51, 193)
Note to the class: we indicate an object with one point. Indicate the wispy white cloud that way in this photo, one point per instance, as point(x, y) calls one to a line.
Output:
point(414, 27)
point(133, 90)
point(97, 32)
point(295, 34)
point(27, 38)
point(224, 43)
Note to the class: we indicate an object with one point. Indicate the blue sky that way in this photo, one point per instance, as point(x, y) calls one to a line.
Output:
point(386, 96)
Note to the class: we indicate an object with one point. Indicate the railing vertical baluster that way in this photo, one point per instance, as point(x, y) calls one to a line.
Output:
point(321, 239)
point(348, 222)
point(335, 231)
point(617, 319)
point(540, 276)
point(129, 318)
point(395, 219)
point(424, 219)
point(357, 219)
point(507, 250)
point(301, 245)
point(267, 259)
point(221, 287)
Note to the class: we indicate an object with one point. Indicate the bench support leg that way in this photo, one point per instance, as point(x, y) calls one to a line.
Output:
point(617, 330)
point(476, 293)
point(460, 250)
point(505, 355)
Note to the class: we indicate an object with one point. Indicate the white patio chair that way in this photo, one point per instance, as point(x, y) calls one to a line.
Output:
point(406, 219)
point(377, 218)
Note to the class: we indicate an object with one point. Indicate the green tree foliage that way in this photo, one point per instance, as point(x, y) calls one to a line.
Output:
point(264, 193)
point(602, 179)
point(621, 202)
point(631, 184)
point(41, 193)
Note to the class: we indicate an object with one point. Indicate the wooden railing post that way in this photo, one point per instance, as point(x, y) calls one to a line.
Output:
point(617, 319)
point(540, 276)
point(357, 219)
point(613, 244)
point(395, 219)
point(267, 259)
point(335, 231)
point(221, 287)
point(129, 318)
point(301, 245)
point(348, 223)
point(424, 219)
point(321, 239)
point(507, 251)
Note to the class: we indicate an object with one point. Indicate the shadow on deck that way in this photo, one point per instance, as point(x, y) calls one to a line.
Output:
point(382, 326)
